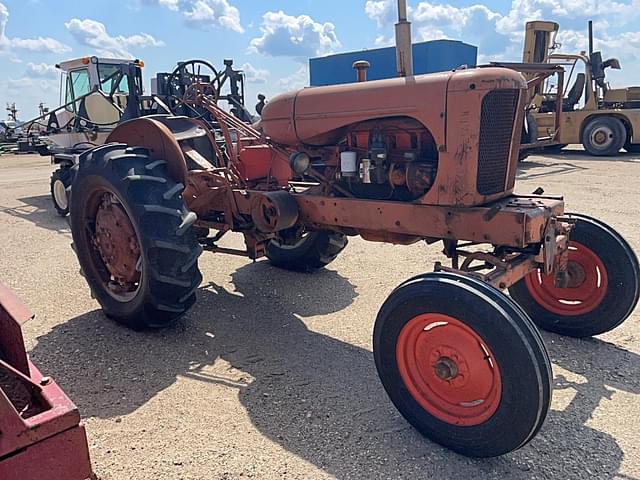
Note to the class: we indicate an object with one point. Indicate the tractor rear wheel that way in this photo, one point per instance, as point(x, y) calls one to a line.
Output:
point(463, 364)
point(604, 136)
point(603, 285)
point(305, 252)
point(61, 181)
point(134, 237)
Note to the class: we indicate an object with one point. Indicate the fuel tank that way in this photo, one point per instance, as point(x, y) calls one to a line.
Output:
point(319, 115)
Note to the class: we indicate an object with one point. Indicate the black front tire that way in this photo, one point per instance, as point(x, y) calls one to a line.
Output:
point(619, 296)
point(163, 225)
point(61, 181)
point(516, 345)
point(604, 136)
point(312, 251)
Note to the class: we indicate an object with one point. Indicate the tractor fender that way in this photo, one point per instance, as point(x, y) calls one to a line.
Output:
point(166, 137)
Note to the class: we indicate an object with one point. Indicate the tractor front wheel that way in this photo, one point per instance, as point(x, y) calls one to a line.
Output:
point(305, 252)
point(134, 237)
point(61, 181)
point(463, 364)
point(603, 286)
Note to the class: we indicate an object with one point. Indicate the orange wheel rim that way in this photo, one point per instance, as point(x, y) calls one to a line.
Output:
point(588, 282)
point(449, 369)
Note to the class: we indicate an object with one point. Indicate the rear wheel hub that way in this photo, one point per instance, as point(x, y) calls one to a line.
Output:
point(116, 241)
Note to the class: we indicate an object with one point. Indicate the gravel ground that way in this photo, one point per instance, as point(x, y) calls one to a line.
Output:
point(271, 374)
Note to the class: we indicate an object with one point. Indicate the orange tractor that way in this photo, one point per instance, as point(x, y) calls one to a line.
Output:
point(421, 158)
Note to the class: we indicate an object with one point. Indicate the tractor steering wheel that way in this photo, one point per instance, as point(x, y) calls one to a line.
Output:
point(190, 78)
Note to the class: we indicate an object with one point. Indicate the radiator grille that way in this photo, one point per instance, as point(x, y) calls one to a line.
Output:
point(496, 129)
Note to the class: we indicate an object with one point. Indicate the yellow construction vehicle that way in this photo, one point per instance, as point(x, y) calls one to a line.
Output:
point(603, 119)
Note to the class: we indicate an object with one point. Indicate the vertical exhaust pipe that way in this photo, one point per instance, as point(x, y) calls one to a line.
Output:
point(590, 38)
point(404, 47)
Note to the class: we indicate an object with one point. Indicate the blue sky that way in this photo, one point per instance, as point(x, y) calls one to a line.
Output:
point(272, 40)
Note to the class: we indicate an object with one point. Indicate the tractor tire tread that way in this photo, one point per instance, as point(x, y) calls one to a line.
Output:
point(170, 250)
point(495, 436)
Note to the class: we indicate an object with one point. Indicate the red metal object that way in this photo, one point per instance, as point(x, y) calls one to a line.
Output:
point(448, 369)
point(255, 162)
point(160, 139)
point(587, 287)
point(41, 436)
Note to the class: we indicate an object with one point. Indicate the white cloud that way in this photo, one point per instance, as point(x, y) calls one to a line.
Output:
point(500, 34)
point(29, 92)
point(255, 75)
point(382, 11)
point(205, 13)
point(41, 70)
point(383, 41)
point(299, 79)
point(39, 44)
point(19, 84)
point(92, 33)
point(298, 37)
point(170, 4)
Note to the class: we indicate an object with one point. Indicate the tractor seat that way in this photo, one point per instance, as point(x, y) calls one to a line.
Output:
point(575, 94)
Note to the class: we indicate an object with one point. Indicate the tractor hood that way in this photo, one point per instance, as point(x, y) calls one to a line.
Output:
point(319, 115)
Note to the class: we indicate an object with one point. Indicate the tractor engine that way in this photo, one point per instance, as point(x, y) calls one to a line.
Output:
point(391, 159)
point(442, 139)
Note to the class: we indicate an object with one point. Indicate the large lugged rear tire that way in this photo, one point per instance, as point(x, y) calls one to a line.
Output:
point(603, 287)
point(134, 238)
point(463, 364)
point(312, 251)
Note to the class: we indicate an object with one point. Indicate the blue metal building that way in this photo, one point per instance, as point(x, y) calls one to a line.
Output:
point(428, 57)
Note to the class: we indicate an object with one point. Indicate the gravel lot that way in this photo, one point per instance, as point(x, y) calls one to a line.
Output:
point(271, 374)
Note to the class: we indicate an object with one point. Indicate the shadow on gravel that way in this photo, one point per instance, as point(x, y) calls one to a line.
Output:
point(39, 210)
point(318, 397)
point(566, 161)
point(530, 169)
point(582, 156)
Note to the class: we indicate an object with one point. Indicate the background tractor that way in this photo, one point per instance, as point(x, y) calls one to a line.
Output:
point(97, 94)
point(581, 107)
point(418, 158)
